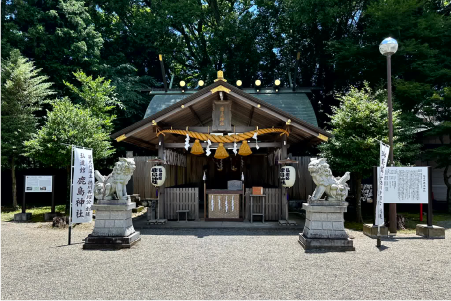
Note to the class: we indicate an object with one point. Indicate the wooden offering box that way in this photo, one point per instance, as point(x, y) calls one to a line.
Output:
point(257, 190)
point(223, 204)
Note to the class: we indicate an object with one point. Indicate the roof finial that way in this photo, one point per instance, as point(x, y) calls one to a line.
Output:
point(220, 76)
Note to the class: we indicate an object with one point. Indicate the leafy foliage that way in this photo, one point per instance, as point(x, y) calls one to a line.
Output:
point(86, 124)
point(358, 125)
point(23, 92)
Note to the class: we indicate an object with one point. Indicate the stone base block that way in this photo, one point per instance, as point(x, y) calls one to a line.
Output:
point(48, 217)
point(430, 231)
point(111, 242)
point(113, 220)
point(371, 231)
point(327, 244)
point(22, 217)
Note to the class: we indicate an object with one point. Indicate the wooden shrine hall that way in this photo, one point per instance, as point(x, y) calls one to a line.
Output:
point(218, 143)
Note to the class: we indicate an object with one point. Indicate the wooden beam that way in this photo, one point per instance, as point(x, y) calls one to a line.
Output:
point(250, 116)
point(195, 115)
point(204, 129)
point(139, 142)
point(226, 145)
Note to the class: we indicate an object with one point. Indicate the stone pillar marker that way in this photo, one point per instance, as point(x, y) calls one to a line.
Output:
point(113, 227)
point(324, 223)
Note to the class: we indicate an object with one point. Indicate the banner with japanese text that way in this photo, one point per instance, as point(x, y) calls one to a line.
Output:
point(384, 153)
point(82, 186)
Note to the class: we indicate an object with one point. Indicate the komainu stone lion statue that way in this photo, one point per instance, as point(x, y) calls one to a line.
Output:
point(113, 186)
point(336, 189)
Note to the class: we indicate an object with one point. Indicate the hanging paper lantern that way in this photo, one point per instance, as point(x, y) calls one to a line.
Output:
point(158, 175)
point(197, 148)
point(245, 150)
point(221, 152)
point(287, 176)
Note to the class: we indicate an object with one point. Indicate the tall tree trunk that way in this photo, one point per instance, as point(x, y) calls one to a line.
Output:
point(358, 193)
point(13, 176)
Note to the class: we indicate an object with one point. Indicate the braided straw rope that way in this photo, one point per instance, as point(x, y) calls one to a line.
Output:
point(224, 139)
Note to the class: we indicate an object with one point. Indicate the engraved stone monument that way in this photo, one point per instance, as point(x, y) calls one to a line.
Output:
point(113, 227)
point(324, 223)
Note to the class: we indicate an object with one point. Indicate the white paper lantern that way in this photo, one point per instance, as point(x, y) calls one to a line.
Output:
point(158, 175)
point(287, 176)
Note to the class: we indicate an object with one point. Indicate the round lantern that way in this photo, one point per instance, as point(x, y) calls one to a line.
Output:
point(158, 175)
point(287, 176)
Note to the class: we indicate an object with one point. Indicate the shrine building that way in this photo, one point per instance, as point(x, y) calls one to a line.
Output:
point(217, 143)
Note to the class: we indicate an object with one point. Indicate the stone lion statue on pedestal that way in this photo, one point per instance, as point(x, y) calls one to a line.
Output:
point(336, 189)
point(113, 186)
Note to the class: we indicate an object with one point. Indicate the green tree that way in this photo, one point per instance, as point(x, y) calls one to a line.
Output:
point(59, 35)
point(87, 123)
point(437, 115)
point(23, 91)
point(358, 125)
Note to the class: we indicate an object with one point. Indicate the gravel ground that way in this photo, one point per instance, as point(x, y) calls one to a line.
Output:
point(219, 264)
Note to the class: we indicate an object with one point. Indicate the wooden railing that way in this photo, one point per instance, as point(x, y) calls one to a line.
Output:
point(181, 199)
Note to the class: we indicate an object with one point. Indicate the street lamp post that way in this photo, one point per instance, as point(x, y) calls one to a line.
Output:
point(388, 47)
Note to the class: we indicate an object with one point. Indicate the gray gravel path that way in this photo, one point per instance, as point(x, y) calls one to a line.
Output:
point(219, 264)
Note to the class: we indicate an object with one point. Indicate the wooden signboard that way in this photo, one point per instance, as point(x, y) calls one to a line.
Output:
point(222, 116)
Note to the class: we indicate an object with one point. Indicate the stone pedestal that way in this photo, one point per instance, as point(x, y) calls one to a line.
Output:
point(430, 231)
point(113, 227)
point(371, 231)
point(22, 217)
point(324, 227)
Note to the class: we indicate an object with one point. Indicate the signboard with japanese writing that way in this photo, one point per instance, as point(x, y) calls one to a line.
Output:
point(82, 186)
point(408, 185)
point(38, 183)
point(222, 116)
point(381, 172)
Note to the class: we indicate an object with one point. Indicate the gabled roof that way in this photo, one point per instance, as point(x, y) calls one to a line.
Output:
point(296, 103)
point(135, 132)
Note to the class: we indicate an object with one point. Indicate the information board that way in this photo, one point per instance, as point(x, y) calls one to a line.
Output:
point(406, 185)
point(38, 183)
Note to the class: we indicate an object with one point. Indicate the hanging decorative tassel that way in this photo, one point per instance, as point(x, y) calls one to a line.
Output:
point(245, 150)
point(207, 150)
point(255, 137)
point(197, 148)
point(221, 152)
point(187, 142)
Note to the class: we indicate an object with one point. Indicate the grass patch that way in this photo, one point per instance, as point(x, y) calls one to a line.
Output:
point(37, 212)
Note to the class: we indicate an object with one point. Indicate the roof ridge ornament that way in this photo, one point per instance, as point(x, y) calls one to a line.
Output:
point(220, 76)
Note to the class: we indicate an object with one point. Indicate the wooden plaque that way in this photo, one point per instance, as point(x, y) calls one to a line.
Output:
point(222, 116)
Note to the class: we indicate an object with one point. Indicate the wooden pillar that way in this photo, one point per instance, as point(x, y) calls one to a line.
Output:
point(283, 191)
point(161, 194)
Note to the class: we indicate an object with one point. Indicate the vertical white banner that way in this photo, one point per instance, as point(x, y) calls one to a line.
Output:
point(384, 153)
point(82, 186)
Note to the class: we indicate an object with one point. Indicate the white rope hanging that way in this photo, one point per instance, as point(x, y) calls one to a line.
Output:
point(187, 142)
point(207, 150)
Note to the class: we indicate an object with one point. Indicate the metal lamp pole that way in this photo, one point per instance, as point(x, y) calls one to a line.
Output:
point(388, 47)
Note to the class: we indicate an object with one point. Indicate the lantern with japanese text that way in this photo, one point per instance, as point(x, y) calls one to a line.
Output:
point(158, 175)
point(287, 176)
